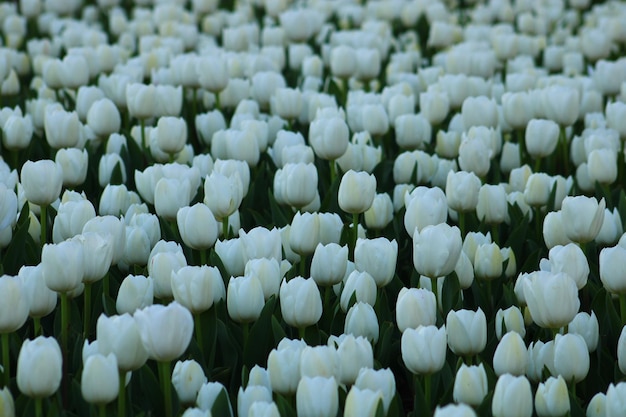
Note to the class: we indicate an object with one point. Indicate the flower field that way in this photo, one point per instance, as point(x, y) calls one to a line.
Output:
point(312, 208)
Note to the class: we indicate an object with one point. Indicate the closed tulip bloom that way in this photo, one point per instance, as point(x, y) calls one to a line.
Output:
point(475, 156)
point(7, 406)
point(286, 103)
point(355, 353)
point(319, 361)
point(467, 331)
point(39, 367)
point(268, 271)
point(18, 132)
point(231, 254)
point(582, 217)
point(470, 385)
point(425, 206)
point(109, 225)
point(436, 250)
point(300, 302)
point(492, 205)
point(103, 117)
point(587, 326)
point(434, 105)
point(552, 398)
point(561, 104)
point(415, 307)
point(97, 255)
point(14, 304)
point(488, 261)
point(283, 367)
point(138, 245)
point(511, 355)
point(356, 191)
point(362, 402)
point(571, 260)
point(187, 379)
point(62, 263)
point(329, 137)
point(381, 380)
point(361, 320)
point(308, 395)
point(99, 383)
point(479, 111)
point(612, 263)
point(63, 129)
point(164, 259)
point(614, 402)
point(378, 257)
point(42, 299)
point(165, 330)
point(571, 357)
point(296, 184)
point(424, 349)
point(170, 195)
point(73, 163)
point(119, 335)
point(362, 286)
point(223, 194)
point(512, 397)
point(509, 320)
point(193, 287)
point(42, 181)
point(141, 100)
point(517, 109)
point(611, 229)
point(540, 291)
point(263, 409)
point(621, 350)
point(244, 299)
point(454, 410)
point(412, 131)
point(252, 393)
point(208, 395)
point(462, 189)
point(597, 405)
point(380, 214)
point(554, 230)
point(197, 226)
point(304, 235)
point(602, 166)
point(541, 137)
point(538, 188)
point(328, 265)
point(135, 293)
point(107, 165)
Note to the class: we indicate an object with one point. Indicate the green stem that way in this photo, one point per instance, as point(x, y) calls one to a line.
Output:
point(38, 407)
point(203, 256)
point(537, 165)
point(522, 144)
point(427, 389)
point(245, 327)
point(355, 232)
point(166, 384)
point(65, 320)
point(461, 219)
point(105, 284)
point(564, 150)
point(333, 171)
point(217, 101)
point(6, 359)
point(87, 309)
point(121, 396)
point(198, 327)
point(144, 146)
point(495, 234)
point(622, 308)
point(434, 289)
point(102, 410)
point(43, 220)
point(225, 228)
point(214, 341)
point(301, 332)
point(302, 265)
point(36, 326)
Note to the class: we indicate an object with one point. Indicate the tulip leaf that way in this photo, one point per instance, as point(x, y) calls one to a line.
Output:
point(621, 206)
point(108, 305)
point(22, 250)
point(450, 294)
point(116, 175)
point(384, 176)
point(384, 345)
point(277, 330)
point(575, 409)
point(215, 260)
point(259, 339)
point(222, 405)
point(380, 409)
point(284, 407)
point(279, 219)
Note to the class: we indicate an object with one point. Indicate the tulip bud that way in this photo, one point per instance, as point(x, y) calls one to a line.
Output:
point(209, 393)
point(582, 217)
point(492, 205)
point(244, 299)
point(252, 393)
point(470, 385)
point(283, 367)
point(597, 406)
point(512, 397)
point(378, 257)
point(424, 349)
point(14, 304)
point(356, 191)
point(587, 326)
point(194, 287)
point(361, 320)
point(611, 229)
point(602, 166)
point(73, 164)
point(540, 357)
point(39, 367)
point(62, 264)
point(554, 230)
point(7, 407)
point(300, 302)
point(362, 286)
point(197, 226)
point(467, 331)
point(296, 184)
point(362, 402)
point(436, 250)
point(488, 261)
point(319, 361)
point(434, 105)
point(165, 330)
point(479, 111)
point(541, 137)
point(571, 357)
point(42, 181)
point(381, 380)
point(354, 353)
point(510, 355)
point(18, 132)
point(310, 390)
point(304, 235)
point(462, 190)
point(165, 257)
point(552, 398)
point(415, 307)
point(509, 320)
point(63, 129)
point(135, 293)
point(42, 299)
point(612, 264)
point(328, 265)
point(539, 291)
point(230, 253)
point(187, 379)
point(103, 117)
point(223, 194)
point(99, 382)
point(261, 243)
point(424, 207)
point(561, 104)
point(571, 260)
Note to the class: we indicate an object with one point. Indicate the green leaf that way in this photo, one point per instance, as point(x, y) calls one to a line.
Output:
point(116, 175)
point(15, 255)
point(277, 330)
point(279, 219)
point(108, 305)
point(260, 341)
point(222, 405)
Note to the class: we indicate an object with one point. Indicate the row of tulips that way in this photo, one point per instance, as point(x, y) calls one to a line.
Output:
point(317, 209)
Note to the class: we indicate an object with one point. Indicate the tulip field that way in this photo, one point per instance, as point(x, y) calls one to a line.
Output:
point(312, 208)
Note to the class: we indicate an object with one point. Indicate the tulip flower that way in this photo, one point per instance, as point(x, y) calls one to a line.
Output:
point(552, 398)
point(571, 357)
point(467, 331)
point(470, 385)
point(39, 369)
point(99, 379)
point(539, 291)
point(42, 182)
point(42, 299)
point(415, 307)
point(187, 378)
point(361, 320)
point(223, 195)
point(283, 366)
point(508, 320)
point(380, 214)
point(245, 299)
point(510, 355)
point(615, 399)
point(251, 394)
point(300, 302)
point(378, 257)
point(309, 392)
point(328, 265)
point(512, 397)
point(582, 217)
point(268, 271)
point(424, 207)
